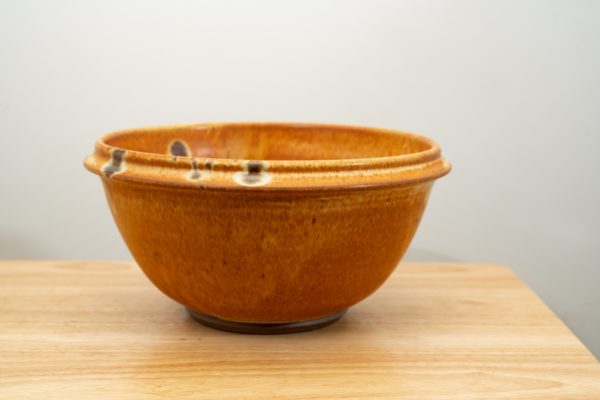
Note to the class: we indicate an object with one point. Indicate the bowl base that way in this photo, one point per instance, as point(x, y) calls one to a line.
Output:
point(265, 329)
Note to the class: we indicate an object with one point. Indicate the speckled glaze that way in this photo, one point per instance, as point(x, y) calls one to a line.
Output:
point(267, 223)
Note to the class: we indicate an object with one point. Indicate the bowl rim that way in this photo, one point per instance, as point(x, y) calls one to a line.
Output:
point(111, 162)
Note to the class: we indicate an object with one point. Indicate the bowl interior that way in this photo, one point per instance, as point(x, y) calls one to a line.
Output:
point(270, 142)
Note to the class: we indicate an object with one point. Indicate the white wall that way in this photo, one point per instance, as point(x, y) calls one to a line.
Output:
point(511, 89)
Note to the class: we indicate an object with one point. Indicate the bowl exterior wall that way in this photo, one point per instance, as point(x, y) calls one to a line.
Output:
point(266, 257)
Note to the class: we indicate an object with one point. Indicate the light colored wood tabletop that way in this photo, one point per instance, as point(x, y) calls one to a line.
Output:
point(88, 330)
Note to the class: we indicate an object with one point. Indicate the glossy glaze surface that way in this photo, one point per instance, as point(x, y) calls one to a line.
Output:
point(267, 223)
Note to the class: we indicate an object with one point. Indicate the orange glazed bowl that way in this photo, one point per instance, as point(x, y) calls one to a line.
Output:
point(267, 227)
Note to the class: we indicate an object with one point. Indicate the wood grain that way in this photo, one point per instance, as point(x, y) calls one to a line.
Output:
point(83, 330)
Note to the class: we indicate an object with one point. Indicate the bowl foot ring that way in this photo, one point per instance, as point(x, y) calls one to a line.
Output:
point(265, 329)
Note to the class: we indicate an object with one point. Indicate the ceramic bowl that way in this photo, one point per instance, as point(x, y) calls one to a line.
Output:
point(267, 227)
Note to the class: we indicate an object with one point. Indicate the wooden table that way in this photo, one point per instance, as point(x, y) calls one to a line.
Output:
point(83, 330)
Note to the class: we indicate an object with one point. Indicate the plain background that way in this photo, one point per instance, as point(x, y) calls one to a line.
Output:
point(510, 89)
